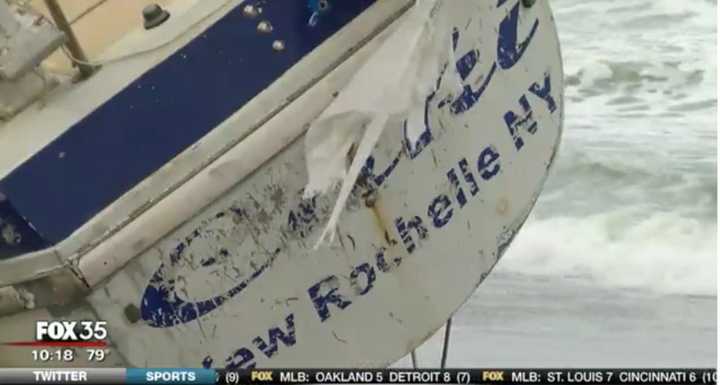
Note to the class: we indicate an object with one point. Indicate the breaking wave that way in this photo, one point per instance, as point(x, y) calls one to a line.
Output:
point(632, 200)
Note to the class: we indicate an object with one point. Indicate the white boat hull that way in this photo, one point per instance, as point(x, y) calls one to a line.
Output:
point(239, 285)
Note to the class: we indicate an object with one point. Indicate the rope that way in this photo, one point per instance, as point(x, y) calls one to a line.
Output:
point(446, 343)
point(446, 347)
point(87, 11)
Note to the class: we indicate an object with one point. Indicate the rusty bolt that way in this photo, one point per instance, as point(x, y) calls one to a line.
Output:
point(371, 198)
point(132, 313)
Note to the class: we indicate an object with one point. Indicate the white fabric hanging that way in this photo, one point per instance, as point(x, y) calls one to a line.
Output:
point(395, 79)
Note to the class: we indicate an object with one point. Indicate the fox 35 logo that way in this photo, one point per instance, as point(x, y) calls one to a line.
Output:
point(70, 330)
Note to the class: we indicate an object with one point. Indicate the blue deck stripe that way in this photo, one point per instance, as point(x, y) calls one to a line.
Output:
point(162, 113)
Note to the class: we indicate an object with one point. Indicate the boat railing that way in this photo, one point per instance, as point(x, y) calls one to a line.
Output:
point(62, 38)
point(72, 44)
point(89, 26)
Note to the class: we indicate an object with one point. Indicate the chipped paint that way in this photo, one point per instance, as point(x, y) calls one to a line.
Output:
point(238, 284)
point(450, 194)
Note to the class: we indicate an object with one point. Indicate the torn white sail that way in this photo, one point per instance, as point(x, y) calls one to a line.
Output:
point(396, 79)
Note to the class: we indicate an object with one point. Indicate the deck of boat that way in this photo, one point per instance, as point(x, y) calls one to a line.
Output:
point(97, 24)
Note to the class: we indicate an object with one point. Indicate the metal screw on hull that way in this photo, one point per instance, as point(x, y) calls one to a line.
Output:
point(264, 27)
point(250, 11)
point(278, 45)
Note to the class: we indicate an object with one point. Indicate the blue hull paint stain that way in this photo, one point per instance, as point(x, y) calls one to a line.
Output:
point(162, 113)
point(162, 306)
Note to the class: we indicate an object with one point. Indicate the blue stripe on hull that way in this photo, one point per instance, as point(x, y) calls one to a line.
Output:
point(162, 113)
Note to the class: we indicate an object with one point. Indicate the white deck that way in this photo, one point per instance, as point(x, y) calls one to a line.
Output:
point(98, 24)
point(40, 123)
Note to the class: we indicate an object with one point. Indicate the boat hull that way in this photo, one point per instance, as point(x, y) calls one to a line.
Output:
point(239, 285)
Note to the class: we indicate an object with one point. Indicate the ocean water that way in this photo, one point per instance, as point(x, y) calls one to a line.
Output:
point(617, 266)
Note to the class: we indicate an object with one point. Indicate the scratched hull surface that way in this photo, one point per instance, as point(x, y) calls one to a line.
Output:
point(238, 285)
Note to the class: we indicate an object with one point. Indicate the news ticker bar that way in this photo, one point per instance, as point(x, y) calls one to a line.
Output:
point(356, 376)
